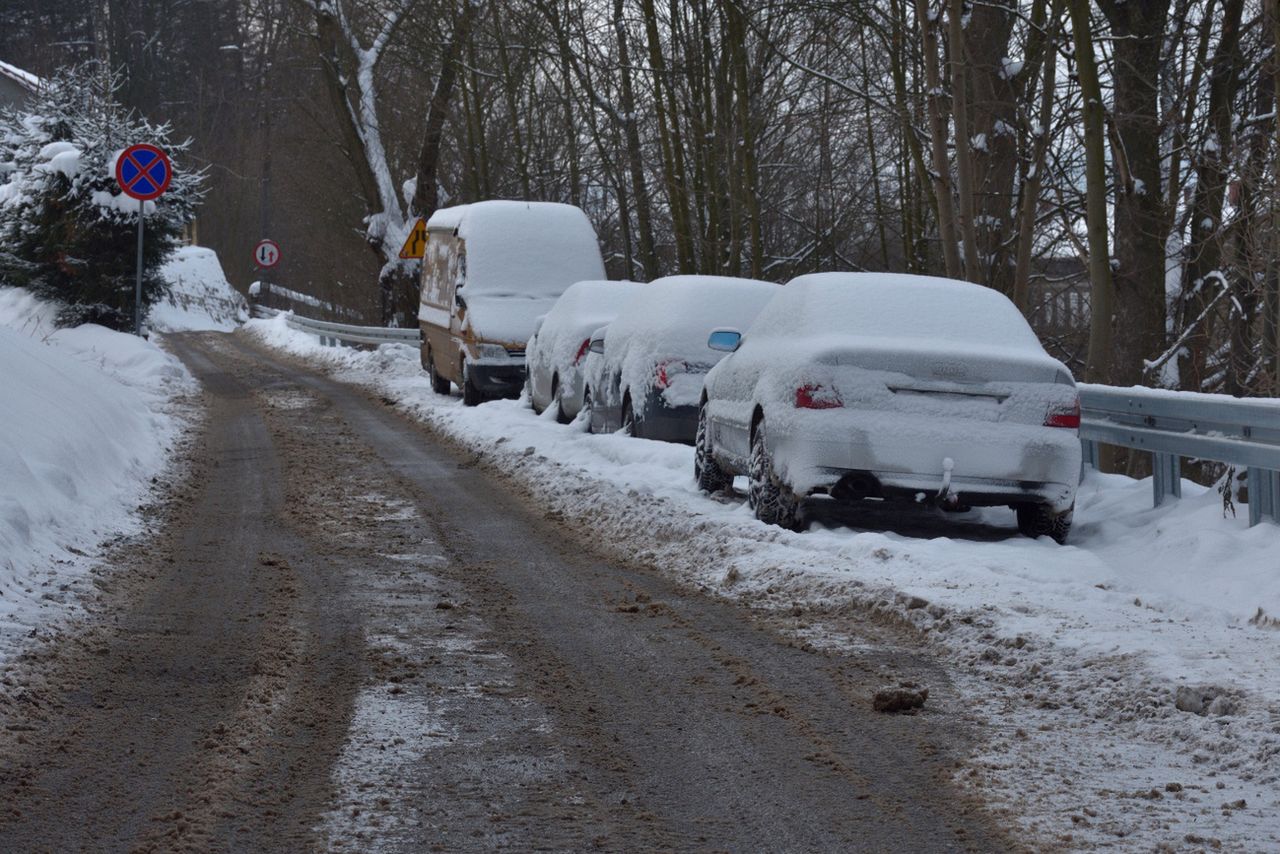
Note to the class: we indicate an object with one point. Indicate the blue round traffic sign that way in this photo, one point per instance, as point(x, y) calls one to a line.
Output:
point(144, 172)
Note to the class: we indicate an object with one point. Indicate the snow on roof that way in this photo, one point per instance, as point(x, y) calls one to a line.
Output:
point(446, 219)
point(530, 249)
point(25, 78)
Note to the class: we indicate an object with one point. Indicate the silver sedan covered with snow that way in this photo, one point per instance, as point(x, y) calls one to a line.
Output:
point(884, 386)
point(557, 353)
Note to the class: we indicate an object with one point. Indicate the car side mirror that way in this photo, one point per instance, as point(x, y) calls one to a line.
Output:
point(724, 340)
point(596, 346)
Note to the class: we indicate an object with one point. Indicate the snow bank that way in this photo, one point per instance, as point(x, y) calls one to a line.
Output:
point(1070, 658)
point(84, 428)
point(200, 297)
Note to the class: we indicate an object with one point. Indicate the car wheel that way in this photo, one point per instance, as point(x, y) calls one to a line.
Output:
point(706, 471)
point(629, 418)
point(772, 500)
point(557, 399)
point(439, 384)
point(471, 396)
point(1039, 520)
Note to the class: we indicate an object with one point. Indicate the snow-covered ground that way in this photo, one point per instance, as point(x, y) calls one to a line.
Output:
point(200, 297)
point(1125, 683)
point(89, 419)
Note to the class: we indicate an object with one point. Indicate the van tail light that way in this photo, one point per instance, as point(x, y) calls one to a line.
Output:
point(1064, 415)
point(582, 351)
point(817, 397)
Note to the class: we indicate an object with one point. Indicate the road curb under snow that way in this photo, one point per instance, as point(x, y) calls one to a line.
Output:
point(1071, 659)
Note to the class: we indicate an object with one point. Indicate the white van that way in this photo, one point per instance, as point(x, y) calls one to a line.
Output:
point(490, 270)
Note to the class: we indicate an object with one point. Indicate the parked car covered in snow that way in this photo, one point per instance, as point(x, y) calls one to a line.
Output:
point(490, 269)
point(655, 354)
point(882, 386)
point(558, 351)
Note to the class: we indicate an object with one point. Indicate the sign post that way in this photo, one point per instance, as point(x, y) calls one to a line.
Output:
point(143, 173)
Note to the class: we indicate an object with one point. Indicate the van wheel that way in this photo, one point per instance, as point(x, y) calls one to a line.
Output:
point(471, 396)
point(1037, 520)
point(772, 500)
point(439, 384)
point(557, 400)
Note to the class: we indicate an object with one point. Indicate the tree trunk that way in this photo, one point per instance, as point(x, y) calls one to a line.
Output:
point(1098, 367)
point(964, 152)
point(936, 106)
point(1138, 28)
point(1204, 250)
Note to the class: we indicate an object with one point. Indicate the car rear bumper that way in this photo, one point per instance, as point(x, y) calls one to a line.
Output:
point(668, 423)
point(889, 455)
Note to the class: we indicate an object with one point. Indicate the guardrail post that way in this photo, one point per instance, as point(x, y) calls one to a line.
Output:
point(1264, 495)
point(1089, 455)
point(1166, 480)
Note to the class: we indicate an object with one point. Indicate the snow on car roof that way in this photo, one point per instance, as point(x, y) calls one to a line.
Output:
point(533, 249)
point(677, 312)
point(897, 305)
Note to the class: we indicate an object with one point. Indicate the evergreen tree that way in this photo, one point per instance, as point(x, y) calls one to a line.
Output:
point(67, 231)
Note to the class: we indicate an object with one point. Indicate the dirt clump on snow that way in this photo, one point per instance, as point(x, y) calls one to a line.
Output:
point(906, 698)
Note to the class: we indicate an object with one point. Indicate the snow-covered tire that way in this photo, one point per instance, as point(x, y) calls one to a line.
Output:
point(772, 500)
point(706, 471)
point(629, 425)
point(557, 400)
point(1039, 520)
point(439, 384)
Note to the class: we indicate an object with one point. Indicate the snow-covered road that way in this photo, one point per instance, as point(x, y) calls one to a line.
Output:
point(1074, 658)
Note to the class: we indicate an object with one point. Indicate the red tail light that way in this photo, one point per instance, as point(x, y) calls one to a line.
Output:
point(668, 369)
point(582, 351)
point(817, 397)
point(1064, 416)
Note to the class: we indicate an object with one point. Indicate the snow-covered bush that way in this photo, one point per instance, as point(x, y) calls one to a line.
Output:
point(67, 232)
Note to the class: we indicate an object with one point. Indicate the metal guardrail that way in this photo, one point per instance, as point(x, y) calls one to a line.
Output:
point(1173, 425)
point(1168, 425)
point(333, 334)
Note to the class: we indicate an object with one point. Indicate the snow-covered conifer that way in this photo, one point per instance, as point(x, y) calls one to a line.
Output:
point(67, 232)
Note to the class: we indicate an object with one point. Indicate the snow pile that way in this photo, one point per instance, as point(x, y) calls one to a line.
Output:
point(1072, 659)
point(84, 428)
point(200, 298)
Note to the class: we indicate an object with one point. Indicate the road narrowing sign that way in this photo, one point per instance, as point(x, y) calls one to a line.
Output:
point(266, 253)
point(416, 243)
point(144, 172)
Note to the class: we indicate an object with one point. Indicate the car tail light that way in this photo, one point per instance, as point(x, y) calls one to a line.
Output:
point(582, 351)
point(667, 370)
point(817, 397)
point(1064, 415)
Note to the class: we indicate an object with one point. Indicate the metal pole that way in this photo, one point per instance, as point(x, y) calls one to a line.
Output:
point(137, 297)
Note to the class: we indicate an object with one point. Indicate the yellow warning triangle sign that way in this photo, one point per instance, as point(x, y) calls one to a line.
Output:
point(416, 243)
